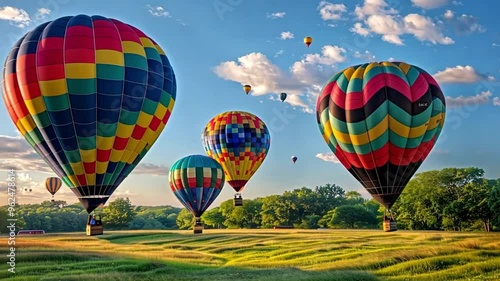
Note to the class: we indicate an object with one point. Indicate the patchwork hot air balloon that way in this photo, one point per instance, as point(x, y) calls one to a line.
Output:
point(196, 181)
point(283, 97)
point(239, 141)
point(308, 40)
point(247, 89)
point(91, 95)
point(294, 159)
point(381, 120)
point(53, 184)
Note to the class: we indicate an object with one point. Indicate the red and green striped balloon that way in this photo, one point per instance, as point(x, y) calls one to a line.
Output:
point(91, 95)
point(196, 181)
point(381, 120)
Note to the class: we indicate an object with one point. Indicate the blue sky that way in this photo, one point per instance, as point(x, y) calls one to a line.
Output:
point(217, 46)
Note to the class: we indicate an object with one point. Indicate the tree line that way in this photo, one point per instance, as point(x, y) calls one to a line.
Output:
point(454, 199)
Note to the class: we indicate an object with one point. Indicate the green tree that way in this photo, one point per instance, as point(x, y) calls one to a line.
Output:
point(118, 214)
point(213, 218)
point(353, 197)
point(246, 216)
point(185, 219)
point(353, 216)
point(494, 201)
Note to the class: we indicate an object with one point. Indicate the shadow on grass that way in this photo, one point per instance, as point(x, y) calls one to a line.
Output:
point(51, 265)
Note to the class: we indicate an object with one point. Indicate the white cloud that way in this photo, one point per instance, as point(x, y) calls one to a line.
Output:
point(465, 24)
point(150, 169)
point(391, 59)
point(373, 7)
point(387, 22)
point(278, 53)
point(16, 153)
point(16, 16)
point(496, 101)
point(158, 11)
point(278, 15)
point(328, 157)
point(482, 98)
point(424, 29)
point(461, 74)
point(429, 4)
point(286, 35)
point(448, 14)
point(302, 83)
point(457, 3)
point(388, 26)
point(42, 13)
point(359, 29)
point(495, 45)
point(331, 11)
point(367, 56)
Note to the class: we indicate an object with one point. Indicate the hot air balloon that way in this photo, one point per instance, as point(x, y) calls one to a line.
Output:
point(294, 159)
point(283, 97)
point(239, 141)
point(91, 95)
point(247, 89)
point(381, 120)
point(308, 40)
point(53, 184)
point(196, 181)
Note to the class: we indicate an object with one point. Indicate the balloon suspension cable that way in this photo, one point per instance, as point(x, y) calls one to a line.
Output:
point(390, 217)
point(197, 221)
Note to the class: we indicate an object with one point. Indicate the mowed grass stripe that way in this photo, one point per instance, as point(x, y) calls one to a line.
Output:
point(234, 254)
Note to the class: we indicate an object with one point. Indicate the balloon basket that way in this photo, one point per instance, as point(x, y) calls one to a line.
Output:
point(390, 226)
point(388, 222)
point(238, 201)
point(95, 227)
point(198, 226)
point(198, 229)
point(94, 230)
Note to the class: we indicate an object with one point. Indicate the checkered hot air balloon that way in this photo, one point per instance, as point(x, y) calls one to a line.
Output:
point(53, 184)
point(239, 141)
point(381, 120)
point(91, 95)
point(196, 181)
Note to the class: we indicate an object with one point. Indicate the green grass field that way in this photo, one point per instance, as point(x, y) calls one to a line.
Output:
point(219, 255)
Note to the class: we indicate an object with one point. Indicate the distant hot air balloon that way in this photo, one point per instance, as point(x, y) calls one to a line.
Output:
point(283, 97)
point(239, 141)
point(53, 184)
point(294, 159)
point(247, 89)
point(196, 181)
point(91, 95)
point(381, 120)
point(308, 40)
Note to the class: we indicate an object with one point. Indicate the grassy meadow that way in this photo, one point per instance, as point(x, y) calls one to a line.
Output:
point(270, 255)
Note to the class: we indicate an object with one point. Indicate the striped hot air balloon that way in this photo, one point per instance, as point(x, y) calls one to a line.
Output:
point(381, 120)
point(196, 181)
point(53, 184)
point(239, 141)
point(91, 95)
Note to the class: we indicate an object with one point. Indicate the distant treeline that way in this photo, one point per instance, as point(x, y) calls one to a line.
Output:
point(449, 199)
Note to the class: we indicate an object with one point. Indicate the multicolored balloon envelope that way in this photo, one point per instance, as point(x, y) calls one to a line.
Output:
point(239, 141)
point(53, 185)
point(381, 120)
point(91, 95)
point(196, 181)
